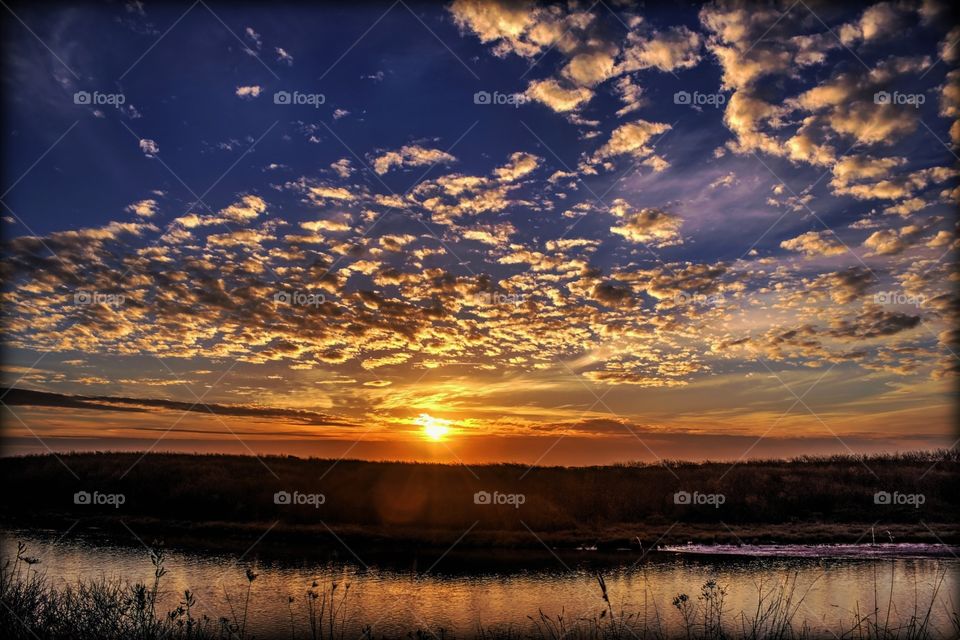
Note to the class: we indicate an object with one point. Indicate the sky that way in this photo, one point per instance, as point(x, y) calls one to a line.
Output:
point(471, 232)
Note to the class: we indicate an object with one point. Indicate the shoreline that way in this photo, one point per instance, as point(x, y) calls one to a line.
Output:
point(280, 539)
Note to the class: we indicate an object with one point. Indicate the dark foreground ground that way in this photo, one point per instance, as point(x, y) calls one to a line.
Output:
point(213, 500)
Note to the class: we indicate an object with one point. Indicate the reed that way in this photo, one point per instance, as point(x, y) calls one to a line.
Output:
point(34, 608)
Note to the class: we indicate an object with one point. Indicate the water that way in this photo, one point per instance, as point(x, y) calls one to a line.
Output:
point(462, 592)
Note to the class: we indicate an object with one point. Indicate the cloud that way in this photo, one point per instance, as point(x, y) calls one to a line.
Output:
point(669, 50)
point(631, 139)
point(649, 226)
point(249, 92)
point(560, 99)
point(520, 165)
point(249, 207)
point(846, 285)
point(493, 234)
point(814, 243)
point(342, 167)
point(144, 208)
point(149, 147)
point(888, 242)
point(631, 95)
point(25, 397)
point(520, 28)
point(410, 156)
point(284, 57)
point(589, 68)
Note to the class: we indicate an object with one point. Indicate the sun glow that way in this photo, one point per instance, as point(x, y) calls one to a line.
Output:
point(433, 428)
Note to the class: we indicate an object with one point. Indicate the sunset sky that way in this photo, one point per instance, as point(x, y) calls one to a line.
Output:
point(481, 232)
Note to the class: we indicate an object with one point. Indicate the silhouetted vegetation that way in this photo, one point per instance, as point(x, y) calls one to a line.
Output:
point(33, 608)
point(820, 498)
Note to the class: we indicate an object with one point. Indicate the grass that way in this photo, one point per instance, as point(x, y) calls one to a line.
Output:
point(113, 610)
point(809, 499)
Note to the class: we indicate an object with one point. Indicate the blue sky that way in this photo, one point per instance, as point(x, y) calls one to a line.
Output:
point(592, 258)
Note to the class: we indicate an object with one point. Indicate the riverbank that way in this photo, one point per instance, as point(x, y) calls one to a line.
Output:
point(229, 501)
point(80, 591)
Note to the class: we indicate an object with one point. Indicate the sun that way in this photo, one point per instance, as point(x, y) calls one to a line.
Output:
point(433, 428)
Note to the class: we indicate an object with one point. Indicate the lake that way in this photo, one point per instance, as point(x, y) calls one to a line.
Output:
point(460, 592)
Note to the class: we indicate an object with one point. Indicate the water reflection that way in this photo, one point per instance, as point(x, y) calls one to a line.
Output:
point(462, 592)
